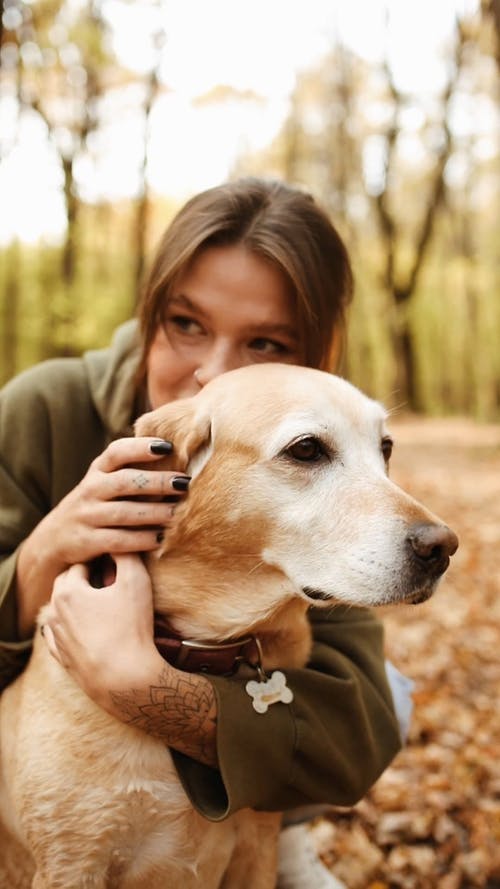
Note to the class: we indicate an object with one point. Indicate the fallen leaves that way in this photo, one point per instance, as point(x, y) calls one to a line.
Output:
point(432, 821)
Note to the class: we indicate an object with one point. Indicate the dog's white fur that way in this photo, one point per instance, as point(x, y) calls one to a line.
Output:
point(89, 802)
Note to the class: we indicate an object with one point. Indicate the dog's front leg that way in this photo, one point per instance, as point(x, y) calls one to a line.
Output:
point(254, 860)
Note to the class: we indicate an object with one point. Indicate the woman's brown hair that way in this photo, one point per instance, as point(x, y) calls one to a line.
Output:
point(277, 222)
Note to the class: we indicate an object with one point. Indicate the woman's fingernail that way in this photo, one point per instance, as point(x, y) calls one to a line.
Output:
point(161, 447)
point(160, 537)
point(181, 482)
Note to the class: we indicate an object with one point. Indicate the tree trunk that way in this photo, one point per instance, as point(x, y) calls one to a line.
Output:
point(68, 264)
point(10, 313)
point(140, 226)
point(406, 378)
point(402, 283)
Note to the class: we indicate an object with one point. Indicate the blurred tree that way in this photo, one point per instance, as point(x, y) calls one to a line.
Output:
point(491, 10)
point(65, 93)
point(9, 303)
point(404, 257)
point(9, 312)
point(391, 166)
point(140, 228)
point(58, 57)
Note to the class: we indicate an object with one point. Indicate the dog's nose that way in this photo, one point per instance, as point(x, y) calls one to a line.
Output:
point(433, 543)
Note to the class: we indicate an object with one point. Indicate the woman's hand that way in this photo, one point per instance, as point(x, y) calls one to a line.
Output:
point(104, 639)
point(115, 508)
point(112, 509)
point(103, 636)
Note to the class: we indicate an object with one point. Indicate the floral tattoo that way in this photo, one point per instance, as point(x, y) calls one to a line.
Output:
point(181, 712)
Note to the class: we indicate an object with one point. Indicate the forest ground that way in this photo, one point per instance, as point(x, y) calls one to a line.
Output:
point(432, 821)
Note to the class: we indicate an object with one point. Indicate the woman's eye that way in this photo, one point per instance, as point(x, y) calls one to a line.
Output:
point(268, 347)
point(306, 450)
point(387, 445)
point(184, 324)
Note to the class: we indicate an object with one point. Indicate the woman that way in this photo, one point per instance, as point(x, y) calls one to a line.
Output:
point(249, 271)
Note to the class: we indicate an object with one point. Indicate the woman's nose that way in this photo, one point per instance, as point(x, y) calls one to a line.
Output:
point(218, 361)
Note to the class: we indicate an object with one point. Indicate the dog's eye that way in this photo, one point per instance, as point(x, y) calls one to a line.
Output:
point(387, 445)
point(306, 450)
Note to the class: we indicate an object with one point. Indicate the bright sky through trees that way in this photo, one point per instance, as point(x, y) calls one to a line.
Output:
point(255, 48)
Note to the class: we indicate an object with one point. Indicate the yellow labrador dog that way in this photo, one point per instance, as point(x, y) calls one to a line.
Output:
point(290, 505)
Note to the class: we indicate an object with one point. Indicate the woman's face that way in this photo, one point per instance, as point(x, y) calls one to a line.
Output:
point(229, 308)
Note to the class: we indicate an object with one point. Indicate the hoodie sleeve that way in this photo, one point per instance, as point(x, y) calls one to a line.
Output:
point(48, 437)
point(23, 501)
point(328, 746)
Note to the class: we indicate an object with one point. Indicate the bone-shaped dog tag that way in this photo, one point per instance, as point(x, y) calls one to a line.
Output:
point(271, 691)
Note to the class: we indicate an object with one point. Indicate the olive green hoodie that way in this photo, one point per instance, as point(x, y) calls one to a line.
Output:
point(339, 733)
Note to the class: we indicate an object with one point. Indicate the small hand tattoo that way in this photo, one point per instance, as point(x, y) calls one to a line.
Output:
point(140, 481)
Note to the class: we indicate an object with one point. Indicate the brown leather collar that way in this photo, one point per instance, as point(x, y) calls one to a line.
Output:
point(218, 658)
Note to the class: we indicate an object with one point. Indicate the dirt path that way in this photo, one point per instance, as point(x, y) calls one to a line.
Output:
point(433, 819)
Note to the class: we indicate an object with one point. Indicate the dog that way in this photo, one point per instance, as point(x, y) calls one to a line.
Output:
point(290, 505)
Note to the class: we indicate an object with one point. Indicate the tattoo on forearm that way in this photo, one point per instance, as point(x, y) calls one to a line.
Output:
point(181, 712)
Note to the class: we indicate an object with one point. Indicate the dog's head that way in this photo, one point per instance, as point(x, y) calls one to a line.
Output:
point(289, 470)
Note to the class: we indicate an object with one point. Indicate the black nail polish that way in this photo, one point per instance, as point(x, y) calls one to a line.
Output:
point(160, 537)
point(161, 447)
point(180, 482)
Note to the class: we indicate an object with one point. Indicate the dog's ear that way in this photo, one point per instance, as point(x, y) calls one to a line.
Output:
point(182, 423)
